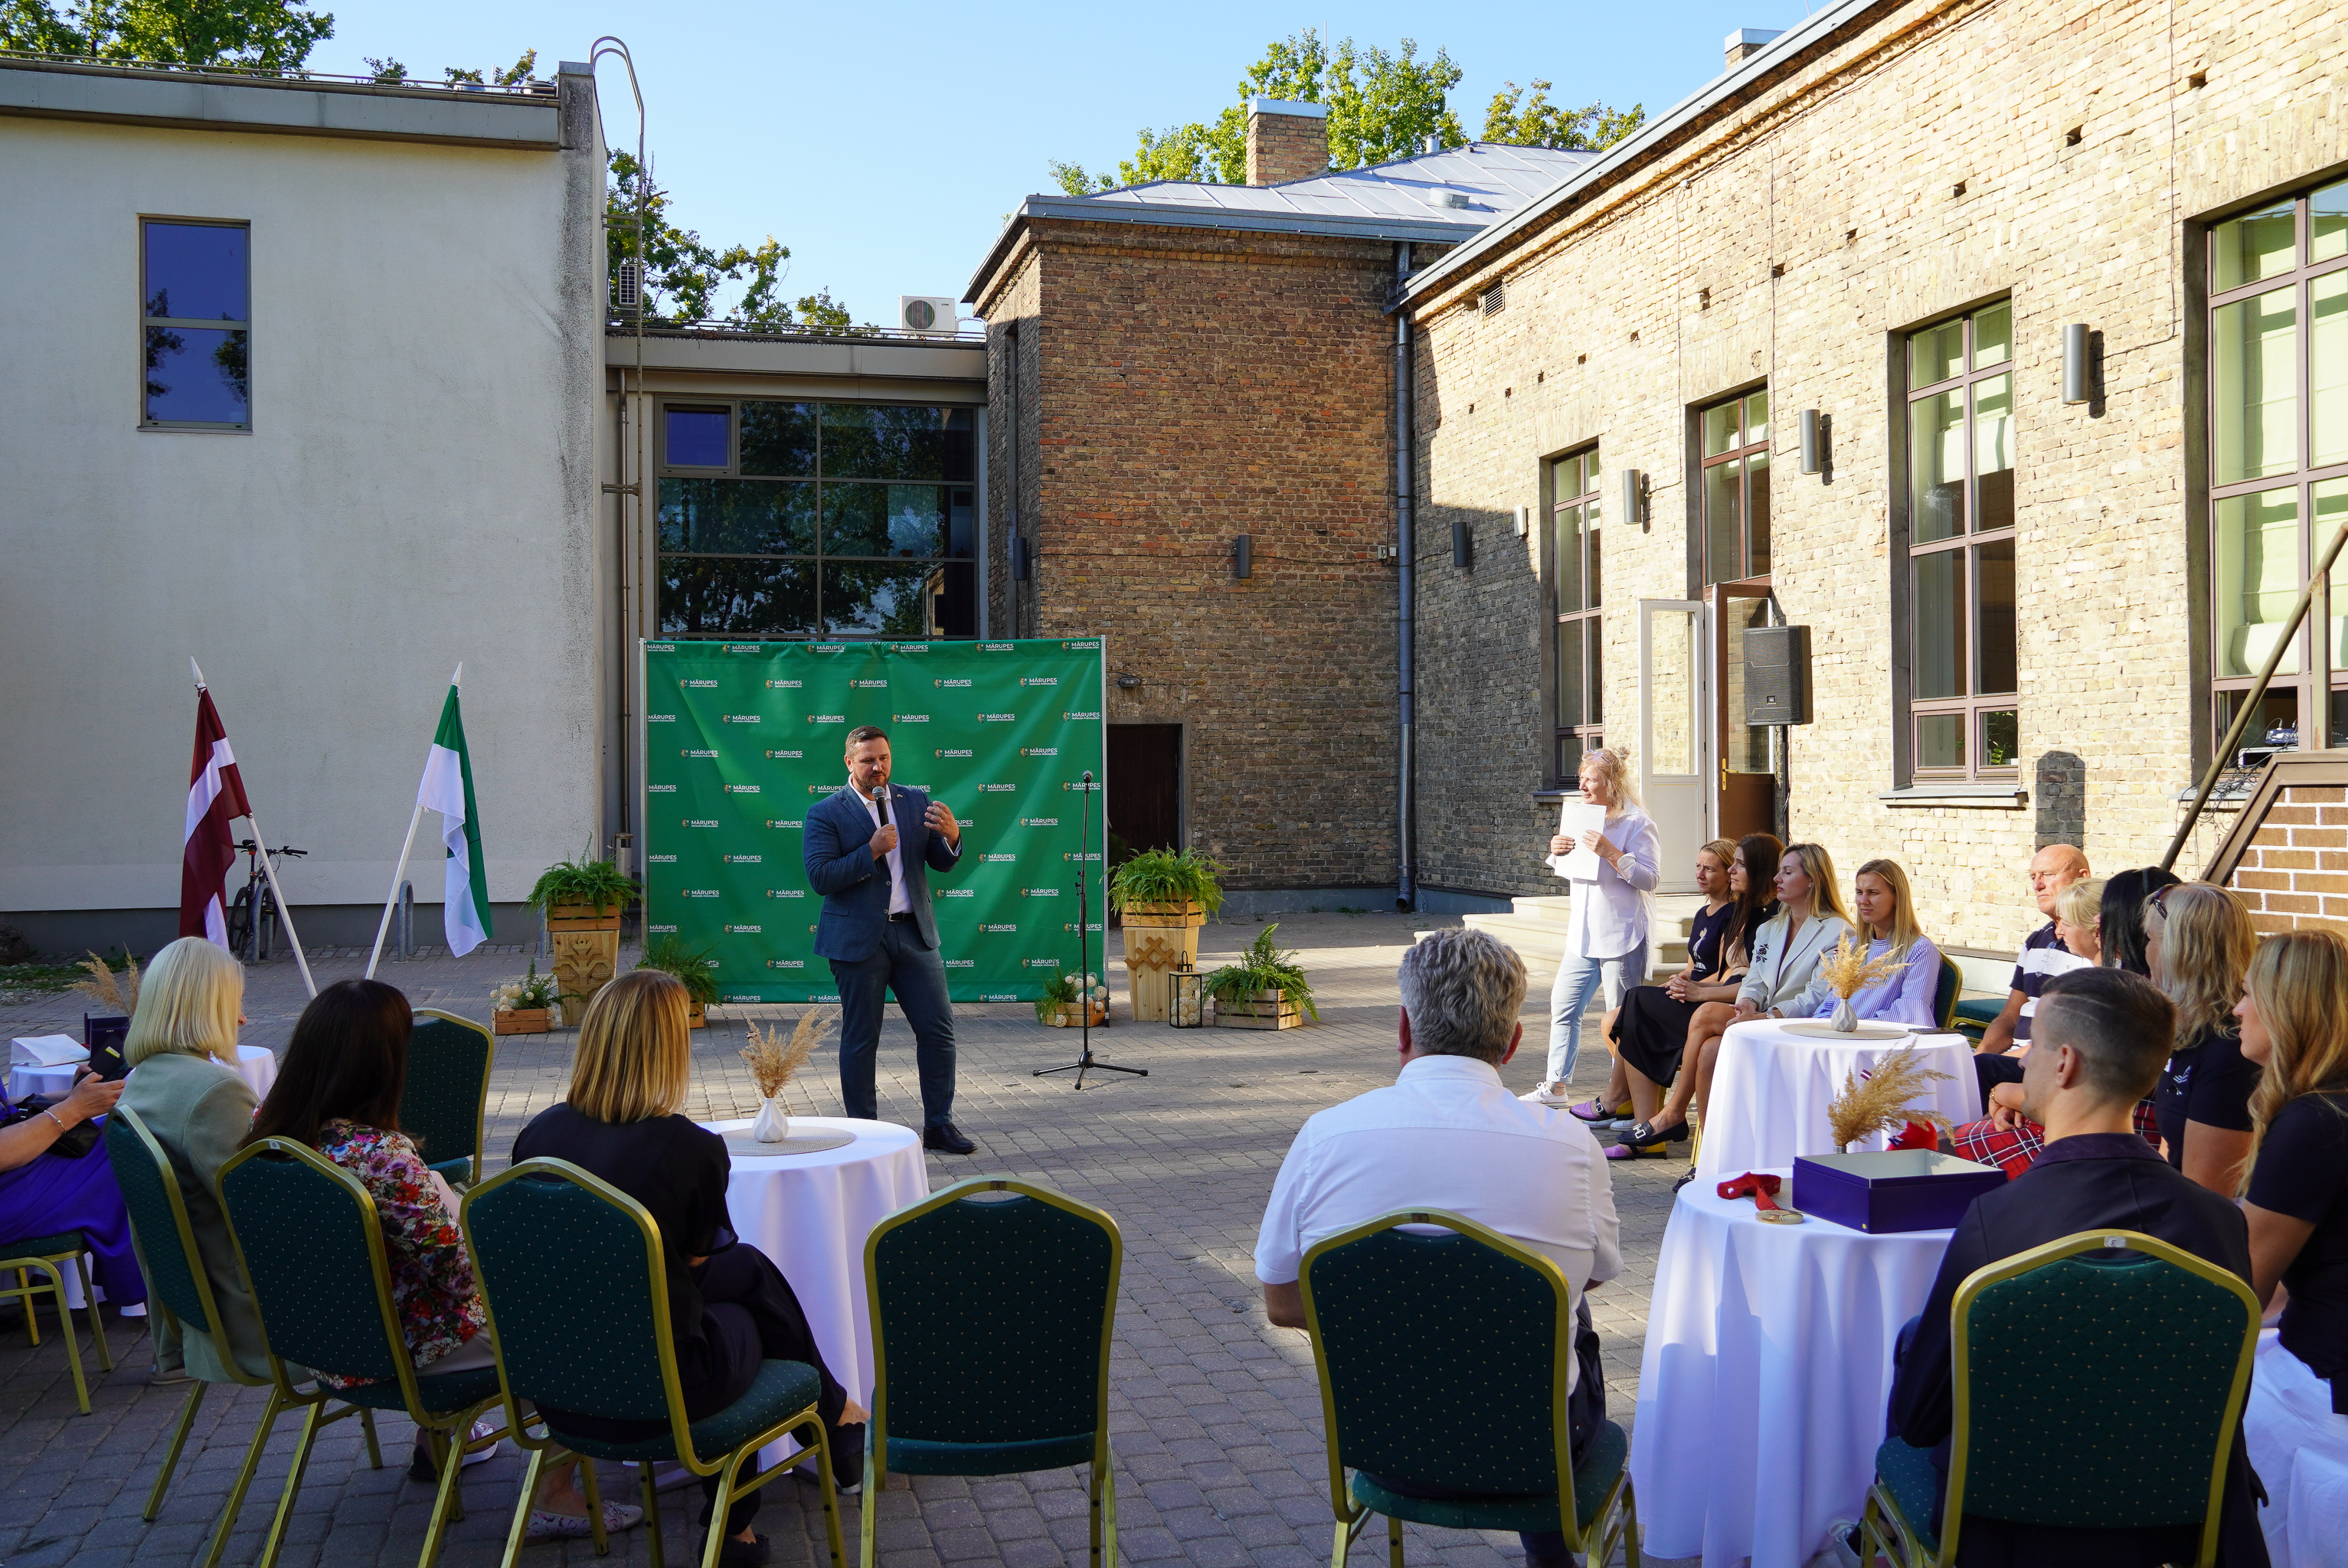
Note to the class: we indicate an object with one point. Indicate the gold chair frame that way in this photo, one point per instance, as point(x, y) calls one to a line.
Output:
point(25, 1289)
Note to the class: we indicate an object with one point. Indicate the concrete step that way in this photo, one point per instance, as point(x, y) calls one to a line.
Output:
point(1543, 940)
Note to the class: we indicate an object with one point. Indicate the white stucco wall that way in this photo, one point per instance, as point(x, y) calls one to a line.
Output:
point(419, 487)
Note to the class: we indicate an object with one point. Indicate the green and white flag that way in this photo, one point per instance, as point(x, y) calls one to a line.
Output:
point(448, 788)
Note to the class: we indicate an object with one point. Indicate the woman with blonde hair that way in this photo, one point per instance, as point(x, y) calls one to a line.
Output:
point(2198, 940)
point(1606, 929)
point(184, 1085)
point(1888, 911)
point(2294, 1022)
point(729, 1305)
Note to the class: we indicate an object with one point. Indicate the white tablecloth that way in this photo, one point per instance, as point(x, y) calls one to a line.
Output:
point(811, 1213)
point(1771, 1088)
point(1765, 1378)
point(256, 1064)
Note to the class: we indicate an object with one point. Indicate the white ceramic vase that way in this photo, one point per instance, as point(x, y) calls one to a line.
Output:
point(1846, 1016)
point(772, 1125)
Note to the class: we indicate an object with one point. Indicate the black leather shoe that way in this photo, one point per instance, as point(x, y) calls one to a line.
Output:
point(947, 1139)
point(734, 1553)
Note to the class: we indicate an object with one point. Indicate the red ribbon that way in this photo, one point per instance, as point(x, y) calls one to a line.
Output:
point(1917, 1135)
point(1759, 1188)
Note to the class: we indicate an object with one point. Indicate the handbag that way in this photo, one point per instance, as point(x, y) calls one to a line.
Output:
point(72, 1143)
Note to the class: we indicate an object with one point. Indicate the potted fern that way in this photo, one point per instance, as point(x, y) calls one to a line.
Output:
point(1264, 989)
point(696, 971)
point(582, 900)
point(1163, 896)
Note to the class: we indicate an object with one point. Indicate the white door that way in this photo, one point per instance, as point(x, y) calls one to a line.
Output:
point(1673, 698)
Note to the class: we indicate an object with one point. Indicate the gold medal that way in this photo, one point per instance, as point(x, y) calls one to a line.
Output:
point(1783, 1216)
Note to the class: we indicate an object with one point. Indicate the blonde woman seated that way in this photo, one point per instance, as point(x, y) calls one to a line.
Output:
point(1810, 921)
point(1889, 915)
point(183, 1084)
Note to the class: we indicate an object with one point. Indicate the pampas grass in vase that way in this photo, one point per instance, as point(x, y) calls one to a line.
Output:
point(102, 987)
point(1849, 971)
point(773, 1059)
point(1877, 1100)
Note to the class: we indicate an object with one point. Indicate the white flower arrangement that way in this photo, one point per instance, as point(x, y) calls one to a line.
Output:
point(527, 993)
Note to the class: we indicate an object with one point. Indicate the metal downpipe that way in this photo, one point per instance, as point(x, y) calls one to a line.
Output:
point(1405, 596)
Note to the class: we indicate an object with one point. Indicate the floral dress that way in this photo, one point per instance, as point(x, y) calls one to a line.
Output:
point(432, 1272)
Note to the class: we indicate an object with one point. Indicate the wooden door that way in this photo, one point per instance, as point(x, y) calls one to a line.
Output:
point(1145, 786)
point(1748, 794)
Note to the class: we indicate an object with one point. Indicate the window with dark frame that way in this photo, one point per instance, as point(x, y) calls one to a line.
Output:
point(195, 307)
point(1735, 462)
point(817, 520)
point(1962, 672)
point(2278, 349)
point(1574, 598)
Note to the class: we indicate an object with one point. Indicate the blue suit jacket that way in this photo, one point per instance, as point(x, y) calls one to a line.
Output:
point(855, 886)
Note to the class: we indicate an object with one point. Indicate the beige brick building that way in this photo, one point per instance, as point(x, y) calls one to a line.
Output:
point(2025, 614)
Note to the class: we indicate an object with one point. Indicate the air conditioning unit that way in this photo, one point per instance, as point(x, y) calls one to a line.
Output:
point(925, 313)
point(628, 286)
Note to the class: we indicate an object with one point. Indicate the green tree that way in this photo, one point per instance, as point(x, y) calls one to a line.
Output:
point(265, 35)
point(685, 273)
point(1514, 119)
point(391, 72)
point(1380, 105)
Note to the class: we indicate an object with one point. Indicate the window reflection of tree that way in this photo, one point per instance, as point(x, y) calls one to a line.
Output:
point(162, 342)
point(230, 356)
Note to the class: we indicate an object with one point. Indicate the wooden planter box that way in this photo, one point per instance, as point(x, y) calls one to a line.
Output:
point(1268, 1011)
point(697, 1015)
point(1068, 1016)
point(522, 1021)
point(1158, 939)
point(586, 943)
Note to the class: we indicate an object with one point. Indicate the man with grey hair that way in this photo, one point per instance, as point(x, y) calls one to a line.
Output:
point(1445, 1135)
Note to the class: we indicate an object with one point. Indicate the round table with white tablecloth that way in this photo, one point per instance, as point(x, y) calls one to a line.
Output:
point(1766, 1375)
point(256, 1064)
point(1776, 1077)
point(811, 1213)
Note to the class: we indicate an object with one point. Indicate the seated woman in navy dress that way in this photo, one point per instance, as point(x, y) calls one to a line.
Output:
point(45, 1194)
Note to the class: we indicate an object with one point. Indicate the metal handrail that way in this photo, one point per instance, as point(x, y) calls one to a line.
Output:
point(532, 87)
point(2251, 699)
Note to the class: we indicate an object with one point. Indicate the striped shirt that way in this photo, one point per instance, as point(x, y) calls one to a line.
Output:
point(2042, 958)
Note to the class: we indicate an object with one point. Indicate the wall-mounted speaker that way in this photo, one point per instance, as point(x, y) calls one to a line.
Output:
point(1777, 675)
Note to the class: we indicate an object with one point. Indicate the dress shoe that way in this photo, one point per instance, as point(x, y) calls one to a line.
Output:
point(947, 1139)
point(753, 1553)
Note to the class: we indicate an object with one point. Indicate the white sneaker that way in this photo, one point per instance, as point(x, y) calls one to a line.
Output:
point(1839, 1549)
point(1546, 1093)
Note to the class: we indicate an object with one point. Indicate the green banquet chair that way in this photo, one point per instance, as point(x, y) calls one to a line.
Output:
point(312, 1245)
point(1443, 1361)
point(1945, 994)
point(992, 1305)
point(447, 1092)
point(179, 1289)
point(573, 1273)
point(2057, 1423)
point(49, 1255)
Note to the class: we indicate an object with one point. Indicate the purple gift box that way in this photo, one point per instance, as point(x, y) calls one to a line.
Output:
point(1896, 1190)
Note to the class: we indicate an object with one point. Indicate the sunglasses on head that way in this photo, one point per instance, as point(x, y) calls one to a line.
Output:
point(2160, 899)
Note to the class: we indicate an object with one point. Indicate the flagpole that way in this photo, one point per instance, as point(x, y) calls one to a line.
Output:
point(269, 870)
point(400, 870)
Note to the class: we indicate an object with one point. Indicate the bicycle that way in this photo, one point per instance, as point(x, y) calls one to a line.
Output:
point(254, 914)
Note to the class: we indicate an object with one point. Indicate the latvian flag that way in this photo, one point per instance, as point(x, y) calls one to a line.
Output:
point(448, 789)
point(215, 796)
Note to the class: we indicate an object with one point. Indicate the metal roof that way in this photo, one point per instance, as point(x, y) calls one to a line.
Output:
point(1445, 196)
point(1813, 32)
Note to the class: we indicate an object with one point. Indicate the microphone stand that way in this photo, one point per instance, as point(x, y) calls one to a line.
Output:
point(1085, 1062)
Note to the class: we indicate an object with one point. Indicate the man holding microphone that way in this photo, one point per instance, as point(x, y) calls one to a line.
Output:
point(869, 849)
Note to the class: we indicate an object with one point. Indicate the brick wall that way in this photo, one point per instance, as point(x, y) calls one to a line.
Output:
point(2295, 872)
point(1791, 241)
point(1179, 388)
point(1285, 146)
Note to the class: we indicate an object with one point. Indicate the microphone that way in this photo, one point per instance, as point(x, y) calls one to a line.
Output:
point(1089, 775)
point(880, 799)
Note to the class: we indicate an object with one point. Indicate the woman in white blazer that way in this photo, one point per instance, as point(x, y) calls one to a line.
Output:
point(1810, 921)
point(1606, 933)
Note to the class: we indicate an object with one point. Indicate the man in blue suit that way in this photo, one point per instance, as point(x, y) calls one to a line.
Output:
point(867, 848)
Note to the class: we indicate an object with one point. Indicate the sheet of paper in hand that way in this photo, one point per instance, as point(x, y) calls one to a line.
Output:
point(1574, 818)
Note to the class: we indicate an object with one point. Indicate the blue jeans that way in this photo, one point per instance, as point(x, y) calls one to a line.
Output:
point(918, 974)
point(1577, 980)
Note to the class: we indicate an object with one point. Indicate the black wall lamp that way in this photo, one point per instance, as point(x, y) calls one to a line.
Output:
point(2078, 365)
point(1023, 565)
point(1463, 544)
point(1243, 556)
point(1817, 430)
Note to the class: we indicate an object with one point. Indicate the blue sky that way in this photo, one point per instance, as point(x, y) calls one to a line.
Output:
point(884, 143)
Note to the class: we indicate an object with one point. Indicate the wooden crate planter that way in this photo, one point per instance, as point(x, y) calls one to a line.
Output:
point(1158, 939)
point(697, 1015)
point(586, 943)
point(1269, 1009)
point(522, 1021)
point(1066, 1016)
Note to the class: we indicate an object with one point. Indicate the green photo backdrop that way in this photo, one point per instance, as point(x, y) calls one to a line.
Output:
point(742, 738)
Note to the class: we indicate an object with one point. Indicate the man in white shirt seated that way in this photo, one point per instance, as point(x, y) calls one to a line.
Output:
point(1447, 1135)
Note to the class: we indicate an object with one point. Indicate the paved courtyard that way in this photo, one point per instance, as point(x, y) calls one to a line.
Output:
point(1217, 1413)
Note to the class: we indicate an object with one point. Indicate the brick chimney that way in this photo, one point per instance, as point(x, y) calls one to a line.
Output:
point(1749, 41)
point(1285, 140)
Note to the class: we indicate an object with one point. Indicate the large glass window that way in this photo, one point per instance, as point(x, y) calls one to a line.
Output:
point(2279, 458)
point(1737, 488)
point(1574, 573)
point(1961, 664)
point(817, 520)
point(195, 294)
